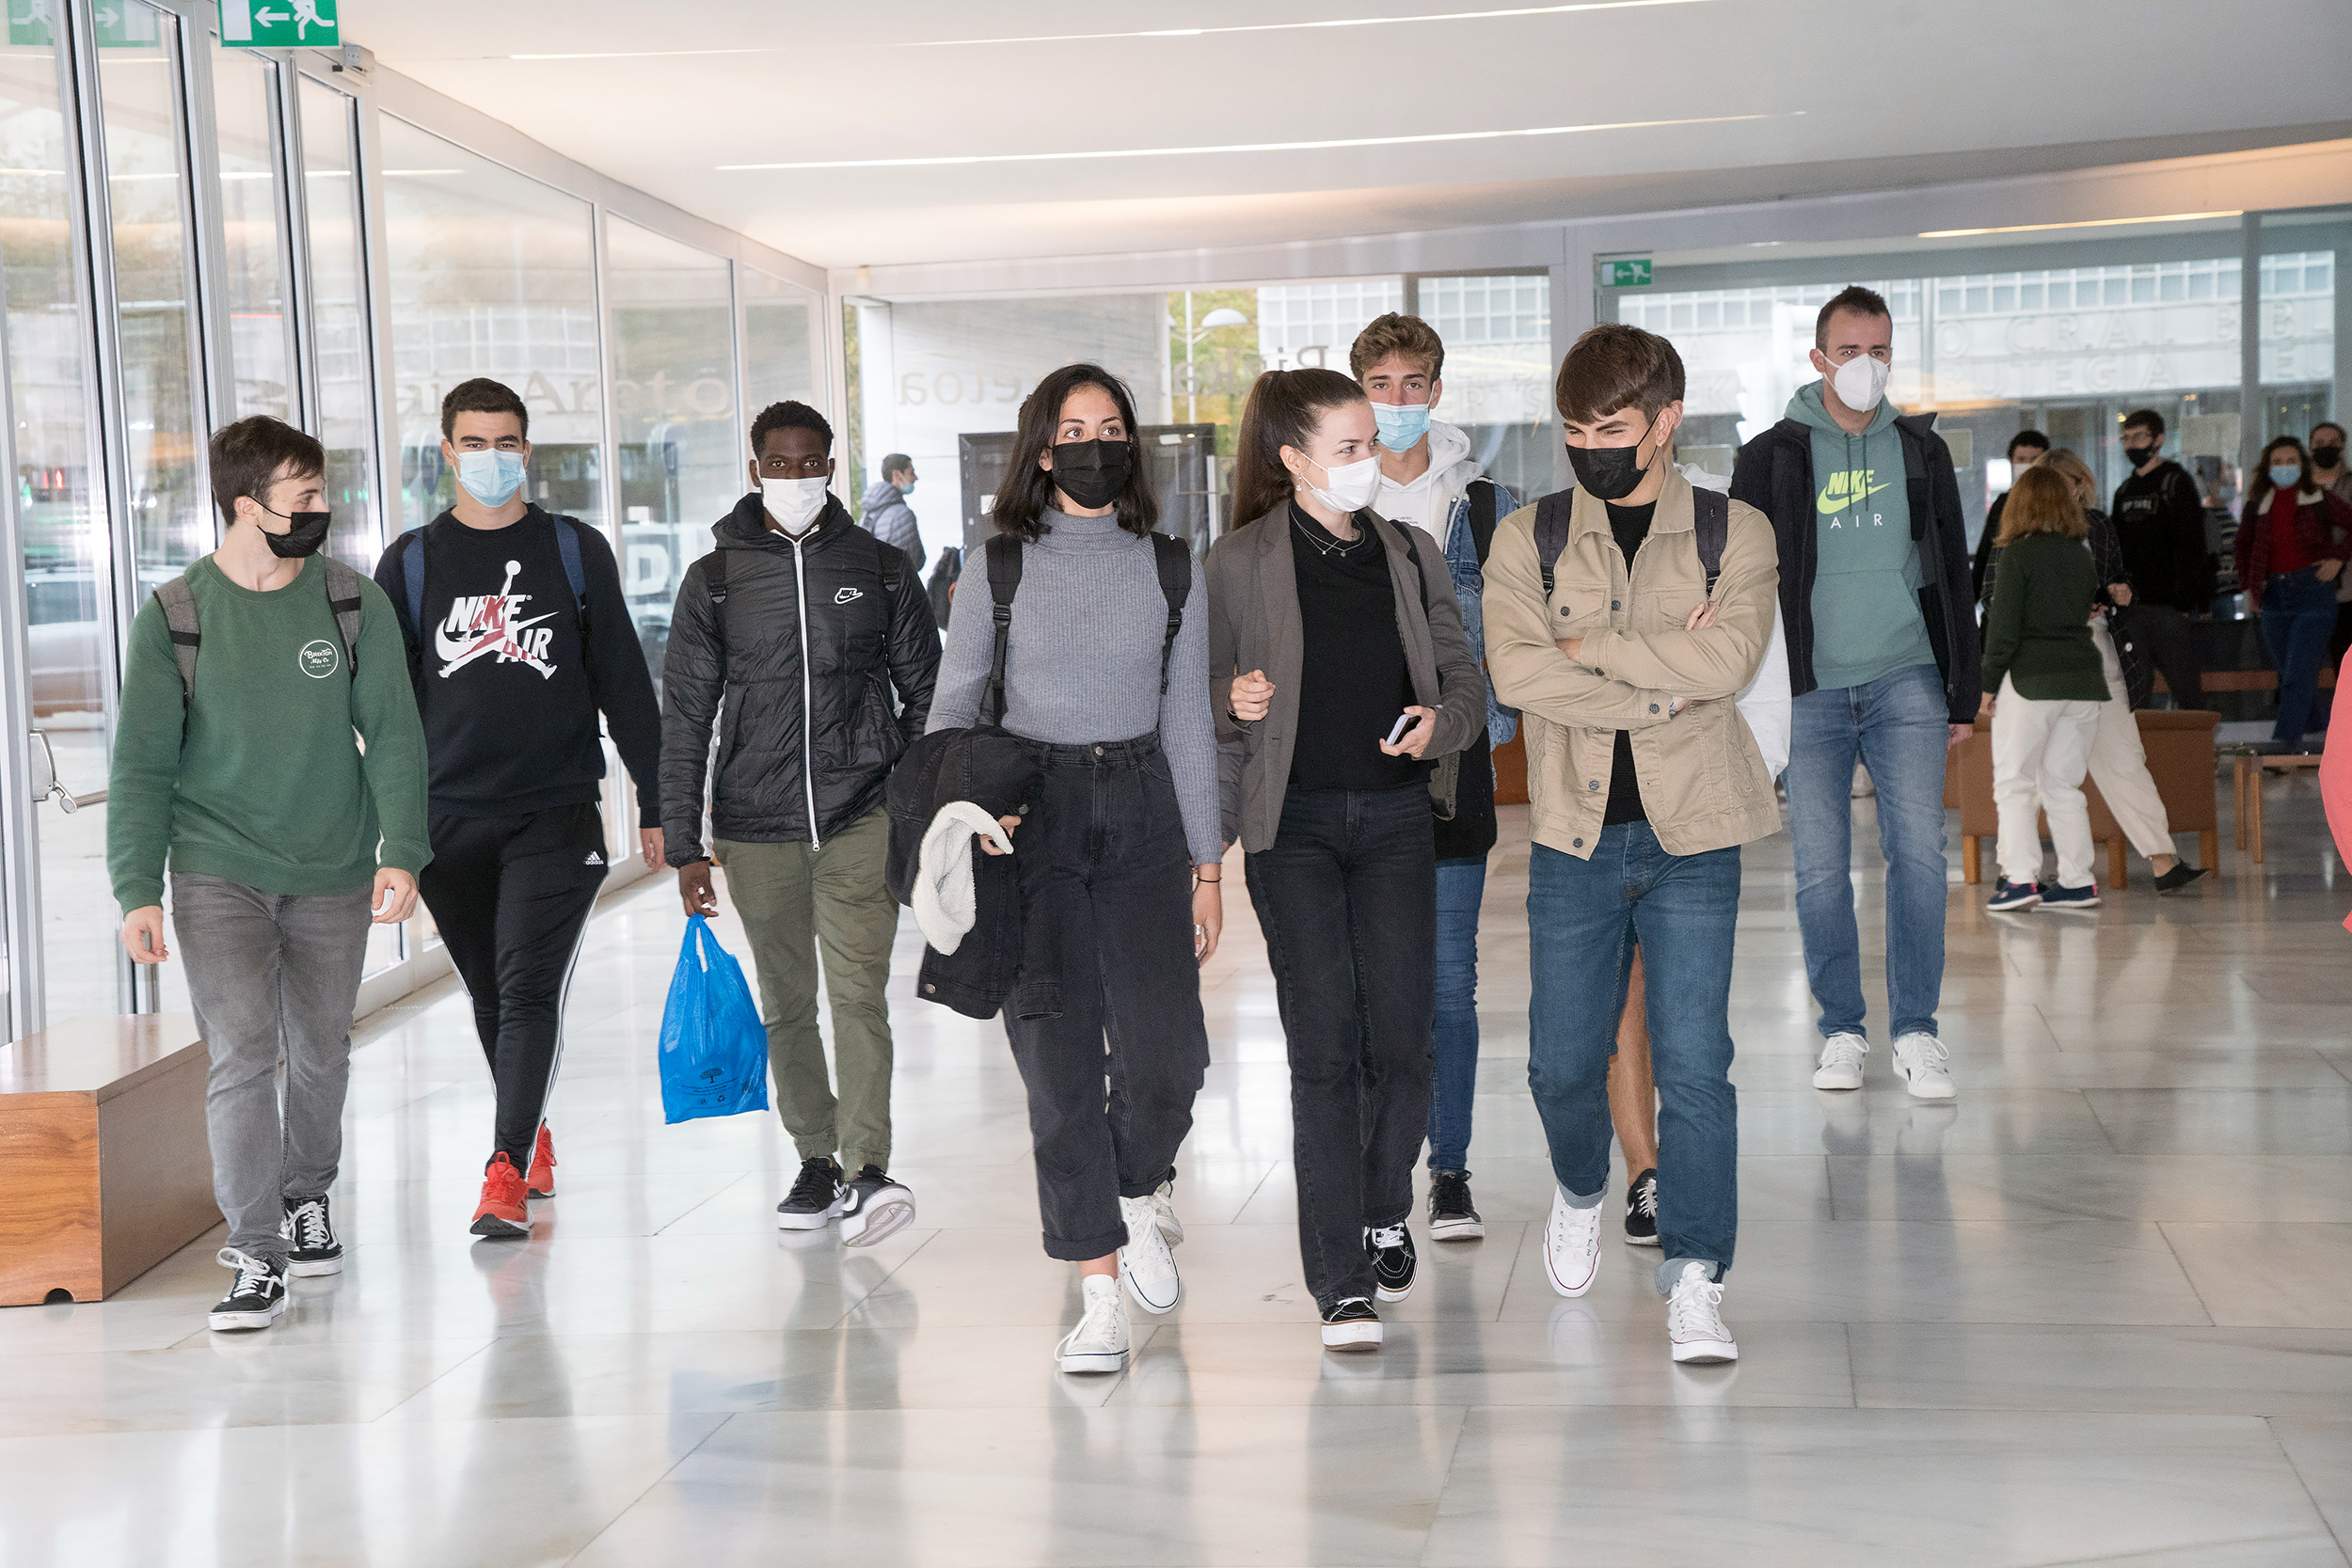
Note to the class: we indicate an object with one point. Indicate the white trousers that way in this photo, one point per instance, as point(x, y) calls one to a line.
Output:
point(2040, 750)
point(2118, 763)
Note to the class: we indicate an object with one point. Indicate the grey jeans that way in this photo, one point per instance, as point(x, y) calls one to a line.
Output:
point(271, 975)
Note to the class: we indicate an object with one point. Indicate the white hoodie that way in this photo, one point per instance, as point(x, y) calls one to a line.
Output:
point(1429, 499)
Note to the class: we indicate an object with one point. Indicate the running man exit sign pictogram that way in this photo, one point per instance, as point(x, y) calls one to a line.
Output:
point(1625, 272)
point(278, 24)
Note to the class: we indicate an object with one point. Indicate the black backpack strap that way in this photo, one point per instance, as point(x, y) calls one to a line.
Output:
point(1174, 559)
point(714, 567)
point(342, 597)
point(412, 578)
point(1712, 520)
point(1484, 498)
point(1552, 515)
point(187, 633)
point(1004, 582)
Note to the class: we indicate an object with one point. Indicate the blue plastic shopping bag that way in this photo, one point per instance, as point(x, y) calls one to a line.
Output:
point(714, 1049)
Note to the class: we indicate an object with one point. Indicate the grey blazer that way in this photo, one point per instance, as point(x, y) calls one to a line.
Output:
point(1254, 625)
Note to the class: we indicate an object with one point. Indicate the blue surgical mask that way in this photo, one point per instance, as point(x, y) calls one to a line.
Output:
point(2287, 476)
point(1402, 424)
point(907, 489)
point(490, 476)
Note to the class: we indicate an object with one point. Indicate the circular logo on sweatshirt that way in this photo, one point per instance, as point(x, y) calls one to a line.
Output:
point(318, 660)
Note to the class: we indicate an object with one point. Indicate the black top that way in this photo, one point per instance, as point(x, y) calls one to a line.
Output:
point(2160, 522)
point(1630, 524)
point(508, 687)
point(1353, 684)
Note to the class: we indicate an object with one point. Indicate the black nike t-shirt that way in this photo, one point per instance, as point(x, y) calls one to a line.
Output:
point(507, 684)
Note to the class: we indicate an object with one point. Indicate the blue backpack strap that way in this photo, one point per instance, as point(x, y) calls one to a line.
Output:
point(568, 541)
point(412, 574)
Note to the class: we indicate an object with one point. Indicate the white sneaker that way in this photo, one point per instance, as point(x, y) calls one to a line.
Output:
point(1694, 1318)
point(1920, 1060)
point(1099, 1343)
point(1841, 1062)
point(1145, 1263)
point(1571, 1244)
point(1164, 1212)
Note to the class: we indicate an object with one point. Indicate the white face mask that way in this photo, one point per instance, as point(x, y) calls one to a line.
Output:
point(1860, 382)
point(1352, 485)
point(794, 503)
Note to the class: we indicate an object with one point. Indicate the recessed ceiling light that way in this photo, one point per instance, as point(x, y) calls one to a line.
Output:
point(2085, 223)
point(1239, 146)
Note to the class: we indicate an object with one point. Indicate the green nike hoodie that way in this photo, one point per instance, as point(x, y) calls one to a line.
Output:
point(1865, 590)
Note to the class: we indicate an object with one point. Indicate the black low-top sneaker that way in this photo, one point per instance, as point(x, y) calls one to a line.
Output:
point(1641, 1210)
point(2013, 895)
point(1391, 1249)
point(1453, 1217)
point(312, 1247)
point(258, 1297)
point(2179, 878)
point(2059, 896)
point(1351, 1324)
point(814, 1197)
point(873, 1208)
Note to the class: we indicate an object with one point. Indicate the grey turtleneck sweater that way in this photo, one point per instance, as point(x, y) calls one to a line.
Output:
point(1083, 664)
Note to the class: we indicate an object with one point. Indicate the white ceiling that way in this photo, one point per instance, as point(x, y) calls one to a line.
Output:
point(1804, 97)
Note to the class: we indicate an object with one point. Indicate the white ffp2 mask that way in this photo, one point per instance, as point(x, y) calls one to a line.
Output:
point(1352, 485)
point(1861, 382)
point(794, 503)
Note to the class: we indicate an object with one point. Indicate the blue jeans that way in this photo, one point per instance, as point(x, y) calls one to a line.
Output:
point(1583, 918)
point(1898, 725)
point(1461, 887)
point(2298, 617)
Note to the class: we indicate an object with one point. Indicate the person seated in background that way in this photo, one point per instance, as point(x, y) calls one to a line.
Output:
point(2024, 448)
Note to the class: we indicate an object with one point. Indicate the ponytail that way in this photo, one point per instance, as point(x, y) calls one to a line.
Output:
point(1285, 409)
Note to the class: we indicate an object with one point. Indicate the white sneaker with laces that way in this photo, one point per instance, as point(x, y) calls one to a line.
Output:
point(1694, 1318)
point(1920, 1062)
point(1571, 1244)
point(1841, 1062)
point(1145, 1263)
point(1164, 1212)
point(1099, 1343)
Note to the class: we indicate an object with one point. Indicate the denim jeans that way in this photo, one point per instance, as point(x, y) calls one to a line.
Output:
point(2298, 617)
point(1584, 919)
point(1453, 1089)
point(1101, 855)
point(1347, 895)
point(1898, 725)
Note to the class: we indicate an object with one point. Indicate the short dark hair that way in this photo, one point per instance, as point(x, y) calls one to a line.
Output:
point(1615, 366)
point(1853, 297)
point(2325, 424)
point(1028, 490)
point(2147, 419)
point(254, 454)
point(2033, 438)
point(1397, 336)
point(482, 395)
point(789, 416)
point(1285, 409)
point(896, 463)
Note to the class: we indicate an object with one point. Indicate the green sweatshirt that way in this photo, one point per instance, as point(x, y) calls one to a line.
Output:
point(270, 789)
point(2038, 633)
point(1866, 583)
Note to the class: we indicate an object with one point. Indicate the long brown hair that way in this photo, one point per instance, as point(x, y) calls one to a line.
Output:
point(1028, 489)
point(2258, 493)
point(2042, 501)
point(1285, 409)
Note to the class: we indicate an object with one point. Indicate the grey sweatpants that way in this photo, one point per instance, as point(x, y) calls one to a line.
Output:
point(271, 975)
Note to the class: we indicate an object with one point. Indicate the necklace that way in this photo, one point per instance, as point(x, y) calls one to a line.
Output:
point(1341, 549)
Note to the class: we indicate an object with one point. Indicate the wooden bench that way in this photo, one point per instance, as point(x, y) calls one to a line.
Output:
point(2250, 768)
point(105, 1164)
point(2180, 749)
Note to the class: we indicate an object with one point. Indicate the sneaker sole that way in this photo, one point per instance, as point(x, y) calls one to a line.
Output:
point(806, 1222)
point(883, 1221)
point(2064, 905)
point(1351, 1337)
point(2014, 906)
point(1838, 1085)
point(1571, 1292)
point(1116, 1362)
point(1704, 1352)
point(1650, 1239)
point(315, 1267)
point(1134, 1293)
point(226, 1321)
point(498, 1228)
point(536, 1193)
point(1457, 1230)
point(1386, 1294)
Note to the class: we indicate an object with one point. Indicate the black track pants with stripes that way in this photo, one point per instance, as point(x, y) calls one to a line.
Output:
point(511, 895)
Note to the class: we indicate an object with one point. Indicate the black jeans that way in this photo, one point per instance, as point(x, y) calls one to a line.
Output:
point(1347, 897)
point(2169, 639)
point(1103, 863)
point(511, 895)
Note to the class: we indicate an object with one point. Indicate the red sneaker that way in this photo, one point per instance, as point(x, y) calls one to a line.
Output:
point(501, 1212)
point(541, 1181)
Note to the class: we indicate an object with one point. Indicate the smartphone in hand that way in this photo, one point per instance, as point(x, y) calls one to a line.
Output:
point(1403, 722)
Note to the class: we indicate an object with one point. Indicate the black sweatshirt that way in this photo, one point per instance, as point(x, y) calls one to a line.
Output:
point(2160, 521)
point(508, 694)
point(1354, 683)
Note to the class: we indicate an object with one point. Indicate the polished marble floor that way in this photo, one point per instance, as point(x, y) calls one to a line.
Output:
point(2099, 1309)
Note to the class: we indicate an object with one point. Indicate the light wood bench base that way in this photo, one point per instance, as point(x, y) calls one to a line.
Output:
point(2248, 770)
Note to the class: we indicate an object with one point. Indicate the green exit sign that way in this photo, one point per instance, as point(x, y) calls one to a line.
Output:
point(1632, 271)
point(278, 24)
point(121, 24)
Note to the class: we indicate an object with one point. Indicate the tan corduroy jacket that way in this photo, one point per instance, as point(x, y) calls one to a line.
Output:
point(1704, 784)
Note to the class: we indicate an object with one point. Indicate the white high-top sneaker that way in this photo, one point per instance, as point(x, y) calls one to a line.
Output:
point(1145, 1263)
point(1571, 1244)
point(1694, 1318)
point(1099, 1343)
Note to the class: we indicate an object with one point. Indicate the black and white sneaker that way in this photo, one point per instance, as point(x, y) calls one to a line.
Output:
point(815, 1198)
point(1453, 1217)
point(1391, 1249)
point(1641, 1210)
point(1351, 1324)
point(2177, 877)
point(873, 1208)
point(311, 1244)
point(258, 1297)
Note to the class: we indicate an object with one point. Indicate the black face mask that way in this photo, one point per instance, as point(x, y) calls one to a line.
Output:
point(2137, 455)
point(307, 533)
point(1093, 473)
point(1611, 474)
point(2327, 457)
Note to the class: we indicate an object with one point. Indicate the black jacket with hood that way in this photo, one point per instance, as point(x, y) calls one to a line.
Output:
point(825, 652)
point(1774, 474)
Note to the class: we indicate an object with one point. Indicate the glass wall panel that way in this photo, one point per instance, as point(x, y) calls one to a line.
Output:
point(492, 273)
point(681, 452)
point(260, 332)
point(1498, 371)
point(339, 324)
point(779, 326)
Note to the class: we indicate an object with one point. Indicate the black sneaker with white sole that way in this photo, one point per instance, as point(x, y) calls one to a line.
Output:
point(1641, 1210)
point(311, 1247)
point(873, 1208)
point(1391, 1249)
point(259, 1296)
point(1351, 1324)
point(1453, 1217)
point(814, 1197)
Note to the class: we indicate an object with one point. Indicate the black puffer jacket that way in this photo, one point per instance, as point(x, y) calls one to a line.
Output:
point(827, 656)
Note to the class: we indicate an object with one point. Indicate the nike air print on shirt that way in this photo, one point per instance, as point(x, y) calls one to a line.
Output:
point(1866, 621)
point(493, 626)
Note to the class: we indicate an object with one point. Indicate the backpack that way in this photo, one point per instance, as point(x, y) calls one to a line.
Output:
point(714, 567)
point(1712, 523)
point(566, 544)
point(187, 635)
